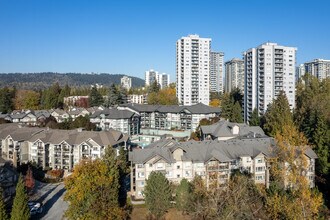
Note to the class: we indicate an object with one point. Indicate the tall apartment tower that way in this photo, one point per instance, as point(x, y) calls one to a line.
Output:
point(319, 68)
point(300, 71)
point(162, 79)
point(193, 69)
point(269, 69)
point(126, 82)
point(216, 71)
point(234, 78)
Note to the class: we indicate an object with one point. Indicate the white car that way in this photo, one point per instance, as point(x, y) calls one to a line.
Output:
point(35, 207)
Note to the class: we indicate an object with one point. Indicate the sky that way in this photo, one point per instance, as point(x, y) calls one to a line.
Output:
point(130, 37)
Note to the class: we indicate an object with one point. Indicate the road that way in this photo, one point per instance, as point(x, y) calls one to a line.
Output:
point(51, 196)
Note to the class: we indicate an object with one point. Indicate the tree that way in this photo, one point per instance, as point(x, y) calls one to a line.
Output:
point(277, 116)
point(183, 196)
point(157, 194)
point(287, 171)
point(6, 100)
point(123, 160)
point(115, 96)
point(65, 92)
point(3, 211)
point(215, 102)
point(95, 98)
point(20, 208)
point(236, 115)
point(27, 99)
point(226, 106)
point(254, 118)
point(82, 122)
point(154, 87)
point(166, 96)
point(92, 192)
point(29, 180)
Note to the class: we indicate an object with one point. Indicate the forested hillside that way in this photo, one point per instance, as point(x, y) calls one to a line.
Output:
point(44, 80)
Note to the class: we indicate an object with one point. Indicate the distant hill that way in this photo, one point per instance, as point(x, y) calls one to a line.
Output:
point(44, 80)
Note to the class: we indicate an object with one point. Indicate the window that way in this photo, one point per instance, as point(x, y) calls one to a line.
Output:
point(187, 173)
point(142, 183)
point(259, 177)
point(160, 165)
point(259, 169)
point(140, 166)
point(150, 164)
point(178, 166)
point(178, 175)
point(140, 174)
point(259, 161)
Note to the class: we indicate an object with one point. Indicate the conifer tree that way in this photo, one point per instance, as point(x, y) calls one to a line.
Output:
point(254, 119)
point(183, 196)
point(157, 194)
point(20, 210)
point(3, 212)
point(236, 115)
point(277, 116)
point(95, 98)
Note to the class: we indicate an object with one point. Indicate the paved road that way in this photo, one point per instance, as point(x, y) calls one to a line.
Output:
point(51, 196)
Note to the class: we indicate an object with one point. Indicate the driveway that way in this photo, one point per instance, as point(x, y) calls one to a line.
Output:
point(51, 196)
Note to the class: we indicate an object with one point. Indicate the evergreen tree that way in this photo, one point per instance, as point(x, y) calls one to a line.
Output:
point(278, 115)
point(227, 105)
point(123, 160)
point(6, 100)
point(29, 180)
point(154, 87)
point(183, 196)
point(64, 93)
point(20, 210)
point(114, 97)
point(3, 212)
point(157, 194)
point(95, 98)
point(254, 118)
point(236, 115)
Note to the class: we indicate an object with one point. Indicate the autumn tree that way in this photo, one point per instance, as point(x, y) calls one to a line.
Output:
point(20, 208)
point(27, 99)
point(29, 180)
point(157, 194)
point(288, 170)
point(183, 196)
point(166, 96)
point(95, 98)
point(215, 102)
point(254, 118)
point(92, 192)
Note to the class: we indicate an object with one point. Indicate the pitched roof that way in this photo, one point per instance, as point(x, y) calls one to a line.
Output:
point(113, 114)
point(202, 151)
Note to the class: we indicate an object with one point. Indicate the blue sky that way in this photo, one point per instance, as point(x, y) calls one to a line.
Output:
point(130, 37)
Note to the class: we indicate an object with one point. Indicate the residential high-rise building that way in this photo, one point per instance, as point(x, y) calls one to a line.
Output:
point(162, 79)
point(193, 70)
point(269, 69)
point(234, 78)
point(126, 82)
point(319, 68)
point(216, 71)
point(300, 71)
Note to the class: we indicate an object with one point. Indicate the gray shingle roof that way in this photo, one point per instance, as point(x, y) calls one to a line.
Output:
point(194, 109)
point(202, 151)
point(113, 114)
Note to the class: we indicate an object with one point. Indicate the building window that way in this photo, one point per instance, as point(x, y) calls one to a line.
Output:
point(141, 174)
point(259, 161)
point(259, 177)
point(142, 183)
point(260, 169)
point(178, 166)
point(140, 166)
point(150, 164)
point(178, 175)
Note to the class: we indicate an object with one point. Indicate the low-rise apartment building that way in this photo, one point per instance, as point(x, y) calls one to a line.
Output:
point(121, 120)
point(213, 160)
point(57, 149)
point(171, 117)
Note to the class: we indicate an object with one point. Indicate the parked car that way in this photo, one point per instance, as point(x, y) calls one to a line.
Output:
point(35, 207)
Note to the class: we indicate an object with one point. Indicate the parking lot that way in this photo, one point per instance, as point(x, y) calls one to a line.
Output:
point(51, 196)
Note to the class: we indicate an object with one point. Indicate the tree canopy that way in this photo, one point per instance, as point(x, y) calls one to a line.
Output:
point(20, 208)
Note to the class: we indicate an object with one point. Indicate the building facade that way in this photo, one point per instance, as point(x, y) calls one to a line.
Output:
point(171, 117)
point(234, 75)
point(216, 71)
point(162, 79)
point(126, 82)
point(319, 68)
point(269, 69)
point(193, 69)
point(300, 71)
point(56, 149)
point(214, 161)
